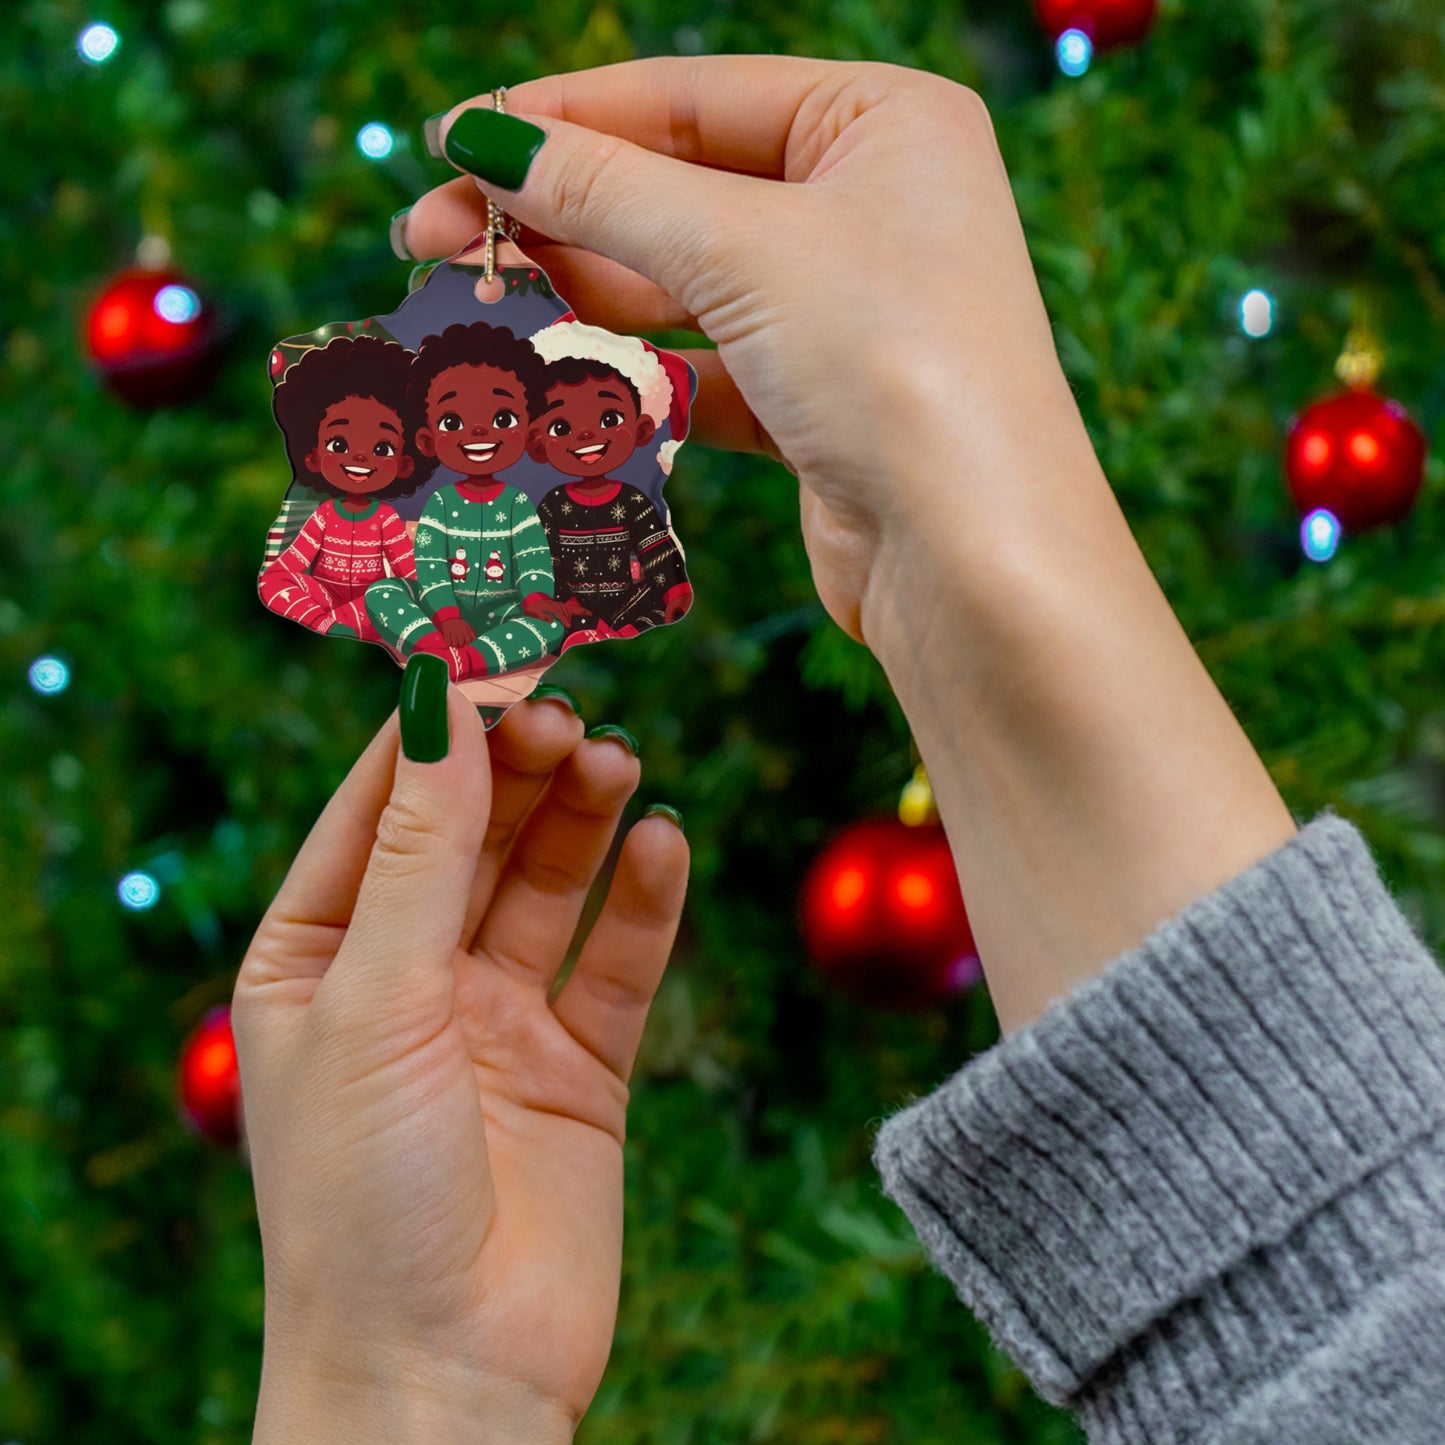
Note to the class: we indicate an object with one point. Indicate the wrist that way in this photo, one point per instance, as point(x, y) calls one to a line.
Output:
point(403, 1400)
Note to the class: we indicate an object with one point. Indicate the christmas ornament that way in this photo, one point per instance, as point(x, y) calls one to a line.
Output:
point(883, 918)
point(478, 475)
point(152, 338)
point(1106, 23)
point(210, 1081)
point(1355, 454)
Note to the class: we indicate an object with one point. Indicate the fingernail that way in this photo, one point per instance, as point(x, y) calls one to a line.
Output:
point(431, 133)
point(397, 235)
point(671, 814)
point(611, 730)
point(550, 689)
point(498, 148)
point(424, 733)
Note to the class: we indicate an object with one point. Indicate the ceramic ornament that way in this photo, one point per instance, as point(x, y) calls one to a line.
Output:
point(478, 475)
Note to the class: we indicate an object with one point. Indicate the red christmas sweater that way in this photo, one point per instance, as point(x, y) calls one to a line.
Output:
point(350, 550)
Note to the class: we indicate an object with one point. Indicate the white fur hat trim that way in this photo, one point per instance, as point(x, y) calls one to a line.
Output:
point(624, 353)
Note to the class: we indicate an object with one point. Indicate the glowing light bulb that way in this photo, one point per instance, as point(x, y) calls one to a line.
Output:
point(49, 675)
point(1256, 313)
point(1320, 535)
point(97, 43)
point(177, 304)
point(138, 891)
point(1074, 52)
point(375, 141)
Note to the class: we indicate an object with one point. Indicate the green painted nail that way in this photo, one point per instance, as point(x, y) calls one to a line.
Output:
point(397, 235)
point(550, 689)
point(662, 810)
point(431, 133)
point(498, 148)
point(611, 730)
point(424, 733)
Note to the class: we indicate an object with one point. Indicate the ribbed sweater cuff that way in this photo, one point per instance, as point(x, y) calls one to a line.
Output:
point(1207, 1110)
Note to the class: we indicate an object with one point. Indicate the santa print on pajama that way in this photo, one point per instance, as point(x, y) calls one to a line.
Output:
point(483, 596)
point(341, 409)
point(618, 567)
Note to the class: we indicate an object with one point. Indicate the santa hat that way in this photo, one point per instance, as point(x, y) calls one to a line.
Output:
point(662, 378)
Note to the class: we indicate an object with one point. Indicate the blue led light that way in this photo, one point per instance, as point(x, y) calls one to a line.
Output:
point(375, 140)
point(49, 675)
point(138, 891)
point(1075, 52)
point(1319, 535)
point(177, 304)
point(97, 43)
point(1256, 313)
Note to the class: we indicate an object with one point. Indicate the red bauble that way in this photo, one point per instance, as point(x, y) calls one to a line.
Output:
point(210, 1082)
point(883, 917)
point(1107, 23)
point(152, 337)
point(1359, 456)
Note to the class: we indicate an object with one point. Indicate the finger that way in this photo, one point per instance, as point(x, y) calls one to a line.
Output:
point(526, 748)
point(720, 416)
point(543, 886)
point(396, 961)
point(606, 998)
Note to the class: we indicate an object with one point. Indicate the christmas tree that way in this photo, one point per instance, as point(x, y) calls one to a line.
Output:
point(167, 743)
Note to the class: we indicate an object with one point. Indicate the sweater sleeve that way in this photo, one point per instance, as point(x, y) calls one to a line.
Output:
point(531, 550)
point(434, 586)
point(1202, 1199)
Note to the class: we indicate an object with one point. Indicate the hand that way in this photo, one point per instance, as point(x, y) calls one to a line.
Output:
point(456, 632)
point(437, 1149)
point(538, 604)
point(654, 205)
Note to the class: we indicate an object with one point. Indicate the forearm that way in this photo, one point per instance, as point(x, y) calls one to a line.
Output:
point(1092, 779)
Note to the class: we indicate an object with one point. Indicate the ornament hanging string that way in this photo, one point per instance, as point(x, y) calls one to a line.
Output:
point(497, 219)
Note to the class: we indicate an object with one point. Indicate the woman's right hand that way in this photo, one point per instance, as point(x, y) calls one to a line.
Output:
point(878, 324)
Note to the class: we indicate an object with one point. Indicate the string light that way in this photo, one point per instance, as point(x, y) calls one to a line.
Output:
point(1256, 313)
point(177, 304)
point(1075, 52)
point(138, 891)
point(375, 141)
point(97, 43)
point(1320, 535)
point(49, 675)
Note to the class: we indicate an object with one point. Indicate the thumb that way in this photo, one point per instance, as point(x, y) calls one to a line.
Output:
point(396, 959)
point(663, 218)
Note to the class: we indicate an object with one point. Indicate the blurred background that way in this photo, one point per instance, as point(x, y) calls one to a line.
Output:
point(1222, 199)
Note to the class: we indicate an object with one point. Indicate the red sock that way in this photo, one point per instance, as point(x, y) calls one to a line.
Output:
point(462, 662)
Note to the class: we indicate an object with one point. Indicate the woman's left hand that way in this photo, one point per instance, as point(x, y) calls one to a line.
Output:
point(437, 1148)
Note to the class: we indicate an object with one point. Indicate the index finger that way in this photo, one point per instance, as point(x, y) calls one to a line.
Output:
point(734, 112)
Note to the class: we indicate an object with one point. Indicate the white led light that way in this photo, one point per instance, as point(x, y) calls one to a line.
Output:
point(177, 304)
point(1256, 313)
point(138, 891)
point(97, 43)
point(49, 675)
point(1320, 535)
point(1075, 52)
point(375, 140)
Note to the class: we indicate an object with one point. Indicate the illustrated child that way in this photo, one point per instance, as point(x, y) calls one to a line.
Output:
point(341, 408)
point(483, 596)
point(618, 565)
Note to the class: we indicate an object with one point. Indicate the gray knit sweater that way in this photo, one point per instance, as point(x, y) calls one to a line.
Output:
point(1202, 1199)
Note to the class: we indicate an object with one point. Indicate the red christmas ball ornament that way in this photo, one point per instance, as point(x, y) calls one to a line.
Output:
point(883, 918)
point(210, 1081)
point(1107, 23)
point(152, 337)
point(1359, 456)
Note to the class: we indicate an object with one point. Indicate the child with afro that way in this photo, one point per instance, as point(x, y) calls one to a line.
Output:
point(340, 407)
point(619, 567)
point(483, 597)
